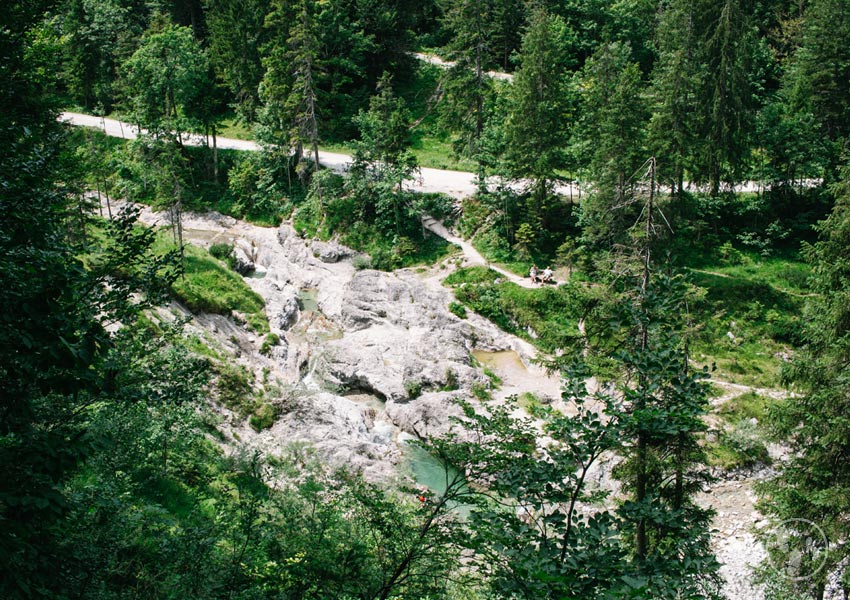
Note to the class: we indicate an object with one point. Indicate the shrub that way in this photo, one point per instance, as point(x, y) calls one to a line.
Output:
point(224, 252)
point(361, 262)
point(272, 340)
point(451, 381)
point(264, 417)
point(457, 309)
point(413, 389)
point(480, 391)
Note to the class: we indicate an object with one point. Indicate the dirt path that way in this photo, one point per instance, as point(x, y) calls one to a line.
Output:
point(456, 184)
point(433, 59)
point(470, 253)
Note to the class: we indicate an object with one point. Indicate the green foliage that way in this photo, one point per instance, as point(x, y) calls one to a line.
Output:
point(749, 405)
point(759, 303)
point(481, 392)
point(472, 275)
point(234, 384)
point(164, 82)
point(224, 253)
point(739, 445)
point(457, 309)
point(264, 417)
point(495, 380)
point(610, 141)
point(271, 340)
point(547, 317)
point(261, 187)
point(451, 381)
point(813, 485)
point(413, 388)
point(335, 207)
point(208, 286)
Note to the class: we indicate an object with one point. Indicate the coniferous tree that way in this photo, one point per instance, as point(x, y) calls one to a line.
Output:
point(610, 141)
point(819, 73)
point(535, 129)
point(382, 156)
point(236, 36)
point(467, 87)
point(726, 92)
point(675, 85)
point(814, 485)
point(302, 102)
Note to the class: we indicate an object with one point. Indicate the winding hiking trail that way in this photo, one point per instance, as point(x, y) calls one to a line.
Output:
point(472, 255)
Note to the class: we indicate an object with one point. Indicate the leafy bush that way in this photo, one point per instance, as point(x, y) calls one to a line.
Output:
point(361, 261)
point(472, 275)
point(264, 417)
point(224, 252)
point(413, 389)
point(741, 446)
point(234, 386)
point(457, 309)
point(272, 340)
point(481, 392)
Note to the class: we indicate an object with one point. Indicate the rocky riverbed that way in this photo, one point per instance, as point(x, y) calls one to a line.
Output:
point(369, 359)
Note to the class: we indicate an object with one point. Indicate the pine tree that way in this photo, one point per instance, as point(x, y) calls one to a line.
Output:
point(467, 87)
point(538, 121)
point(236, 38)
point(676, 81)
point(610, 141)
point(815, 483)
point(727, 91)
point(302, 102)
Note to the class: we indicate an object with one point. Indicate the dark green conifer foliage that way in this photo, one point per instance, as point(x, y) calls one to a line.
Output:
point(815, 484)
point(539, 119)
point(611, 141)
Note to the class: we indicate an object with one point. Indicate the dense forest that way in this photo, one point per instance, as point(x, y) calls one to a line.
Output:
point(682, 166)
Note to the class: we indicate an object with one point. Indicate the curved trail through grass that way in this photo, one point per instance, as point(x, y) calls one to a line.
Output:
point(471, 254)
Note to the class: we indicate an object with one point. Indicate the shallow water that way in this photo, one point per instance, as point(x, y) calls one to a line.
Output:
point(308, 300)
point(429, 472)
point(515, 375)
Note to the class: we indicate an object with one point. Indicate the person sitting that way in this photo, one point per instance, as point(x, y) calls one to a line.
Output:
point(534, 274)
point(547, 275)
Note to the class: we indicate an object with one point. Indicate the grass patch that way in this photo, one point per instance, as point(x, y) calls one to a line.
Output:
point(495, 380)
point(474, 275)
point(264, 417)
point(740, 446)
point(547, 316)
point(481, 392)
point(272, 340)
point(231, 128)
point(741, 443)
point(749, 318)
point(749, 405)
point(209, 286)
point(530, 403)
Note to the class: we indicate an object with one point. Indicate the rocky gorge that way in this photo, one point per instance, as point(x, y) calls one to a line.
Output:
point(368, 360)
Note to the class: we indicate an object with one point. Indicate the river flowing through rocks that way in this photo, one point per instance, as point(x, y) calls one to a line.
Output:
point(369, 360)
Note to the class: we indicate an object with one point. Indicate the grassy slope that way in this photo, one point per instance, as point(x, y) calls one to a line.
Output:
point(209, 286)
